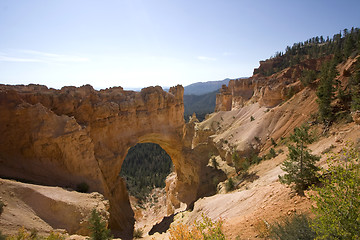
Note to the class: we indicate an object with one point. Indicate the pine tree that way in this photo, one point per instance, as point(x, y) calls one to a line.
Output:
point(300, 163)
point(98, 227)
point(355, 89)
point(325, 92)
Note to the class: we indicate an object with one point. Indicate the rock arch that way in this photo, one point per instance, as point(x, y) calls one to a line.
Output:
point(63, 137)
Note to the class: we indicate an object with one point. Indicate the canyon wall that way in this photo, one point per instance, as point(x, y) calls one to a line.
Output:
point(74, 135)
point(268, 91)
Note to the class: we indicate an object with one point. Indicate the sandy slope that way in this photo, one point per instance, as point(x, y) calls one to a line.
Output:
point(47, 208)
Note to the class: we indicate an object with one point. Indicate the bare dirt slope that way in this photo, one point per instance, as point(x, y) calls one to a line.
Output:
point(47, 208)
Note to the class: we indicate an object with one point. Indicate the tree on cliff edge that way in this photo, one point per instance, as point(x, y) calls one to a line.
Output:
point(300, 163)
point(98, 227)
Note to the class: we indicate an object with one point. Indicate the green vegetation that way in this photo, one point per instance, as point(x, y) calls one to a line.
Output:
point(272, 153)
point(326, 92)
point(214, 163)
point(98, 227)
point(229, 185)
point(273, 142)
point(300, 164)
point(252, 118)
point(308, 77)
point(341, 46)
point(355, 88)
point(296, 227)
point(202, 230)
point(145, 167)
point(338, 201)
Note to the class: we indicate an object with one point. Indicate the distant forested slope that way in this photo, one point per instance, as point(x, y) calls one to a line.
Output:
point(145, 167)
point(200, 104)
point(201, 88)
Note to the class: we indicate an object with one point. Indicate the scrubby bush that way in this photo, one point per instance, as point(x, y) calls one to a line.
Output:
point(272, 153)
point(202, 230)
point(229, 185)
point(296, 227)
point(214, 163)
point(338, 201)
point(22, 234)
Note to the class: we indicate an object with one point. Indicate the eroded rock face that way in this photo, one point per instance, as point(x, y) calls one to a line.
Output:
point(268, 91)
point(73, 135)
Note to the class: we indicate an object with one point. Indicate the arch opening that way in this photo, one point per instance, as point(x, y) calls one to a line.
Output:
point(145, 169)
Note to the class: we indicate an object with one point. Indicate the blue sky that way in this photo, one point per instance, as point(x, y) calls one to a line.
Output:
point(139, 43)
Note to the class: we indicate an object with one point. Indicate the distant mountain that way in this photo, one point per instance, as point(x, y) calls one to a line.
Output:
point(201, 88)
point(200, 104)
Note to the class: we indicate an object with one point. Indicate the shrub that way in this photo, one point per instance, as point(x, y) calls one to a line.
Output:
point(82, 187)
point(138, 233)
point(203, 230)
point(296, 227)
point(338, 201)
point(98, 227)
point(22, 234)
point(229, 185)
point(273, 142)
point(214, 162)
point(236, 161)
point(272, 153)
point(55, 236)
point(252, 118)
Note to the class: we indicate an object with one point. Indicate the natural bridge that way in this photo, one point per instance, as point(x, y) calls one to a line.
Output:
point(74, 135)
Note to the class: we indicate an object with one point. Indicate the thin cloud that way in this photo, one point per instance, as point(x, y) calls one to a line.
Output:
point(38, 56)
point(203, 58)
point(17, 59)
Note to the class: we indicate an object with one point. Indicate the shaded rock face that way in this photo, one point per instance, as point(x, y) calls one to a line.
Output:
point(73, 135)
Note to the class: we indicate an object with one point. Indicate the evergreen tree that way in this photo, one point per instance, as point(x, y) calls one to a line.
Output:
point(355, 89)
point(300, 163)
point(338, 201)
point(98, 227)
point(325, 92)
